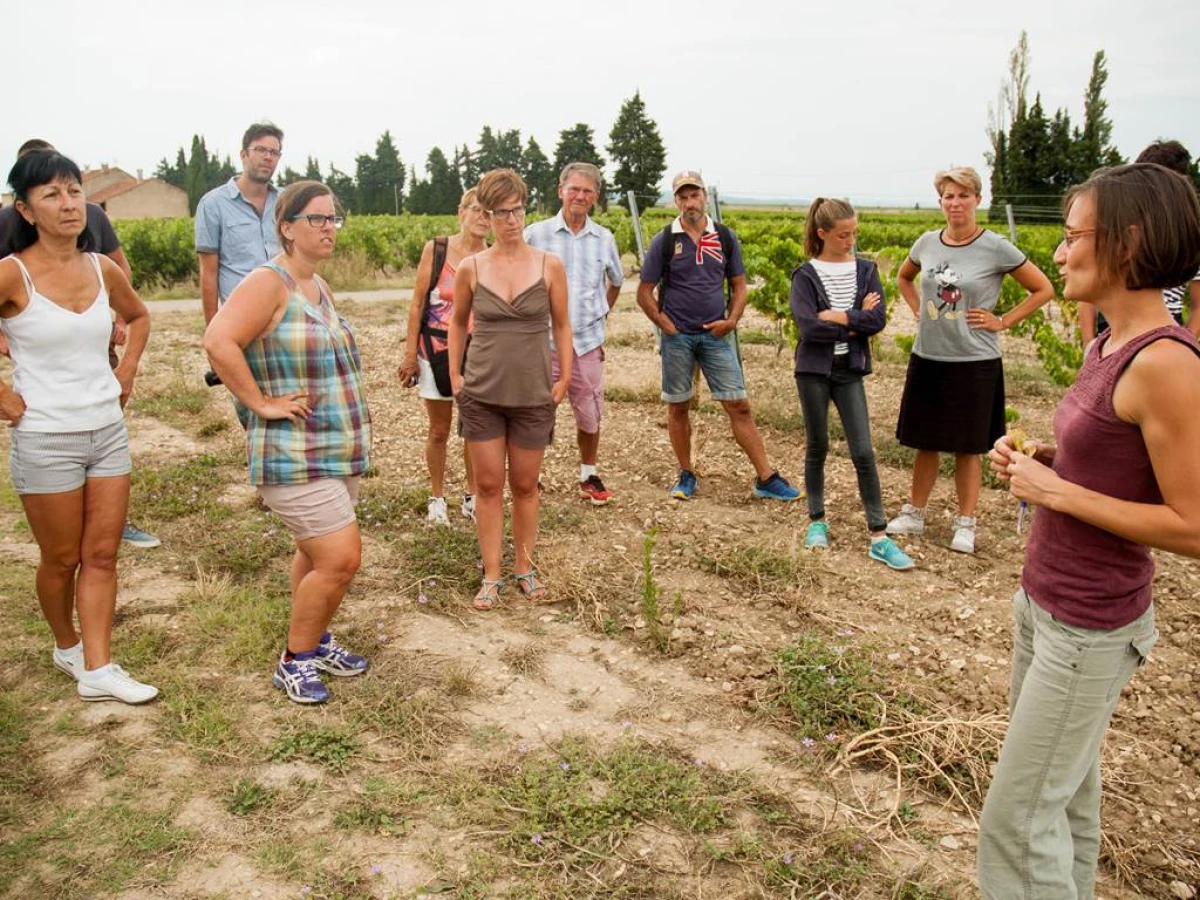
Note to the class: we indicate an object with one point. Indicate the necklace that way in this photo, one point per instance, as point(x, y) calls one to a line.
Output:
point(958, 242)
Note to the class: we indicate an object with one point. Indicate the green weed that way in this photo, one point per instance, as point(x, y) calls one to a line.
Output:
point(248, 797)
point(166, 493)
point(651, 608)
point(756, 569)
point(378, 809)
point(331, 747)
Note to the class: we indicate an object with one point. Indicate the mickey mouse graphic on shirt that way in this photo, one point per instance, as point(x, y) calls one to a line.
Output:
point(949, 295)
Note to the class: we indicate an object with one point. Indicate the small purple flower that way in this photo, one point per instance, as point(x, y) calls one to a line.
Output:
point(787, 859)
point(831, 737)
point(626, 724)
point(699, 761)
point(831, 680)
point(566, 767)
point(433, 582)
point(306, 890)
point(381, 637)
point(846, 632)
point(376, 871)
point(808, 743)
point(537, 839)
point(522, 748)
point(858, 847)
point(421, 598)
point(839, 650)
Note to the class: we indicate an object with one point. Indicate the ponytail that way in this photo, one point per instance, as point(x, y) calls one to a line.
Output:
point(823, 215)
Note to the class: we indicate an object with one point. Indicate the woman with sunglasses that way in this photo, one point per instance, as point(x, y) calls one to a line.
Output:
point(506, 397)
point(1118, 478)
point(281, 348)
point(429, 314)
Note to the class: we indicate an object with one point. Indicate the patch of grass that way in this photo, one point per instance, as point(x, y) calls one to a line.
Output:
point(414, 726)
point(248, 797)
point(379, 809)
point(243, 544)
point(200, 714)
point(212, 427)
point(1023, 380)
point(753, 336)
point(166, 493)
point(20, 780)
point(647, 393)
point(558, 516)
point(333, 748)
point(178, 404)
point(460, 681)
point(10, 500)
point(246, 624)
point(756, 569)
point(444, 560)
point(528, 659)
point(829, 689)
point(387, 510)
point(771, 416)
point(908, 889)
point(638, 340)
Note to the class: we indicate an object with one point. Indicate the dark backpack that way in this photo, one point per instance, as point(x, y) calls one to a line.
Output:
point(667, 247)
point(439, 361)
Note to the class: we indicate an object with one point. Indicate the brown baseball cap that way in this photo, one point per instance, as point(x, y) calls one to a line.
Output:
point(687, 178)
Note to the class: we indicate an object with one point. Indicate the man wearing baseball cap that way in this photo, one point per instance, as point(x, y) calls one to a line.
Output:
point(691, 261)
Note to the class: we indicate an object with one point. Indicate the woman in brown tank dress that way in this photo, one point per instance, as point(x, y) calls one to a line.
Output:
point(506, 399)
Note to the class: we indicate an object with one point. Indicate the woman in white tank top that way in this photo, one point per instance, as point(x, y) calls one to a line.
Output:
point(70, 455)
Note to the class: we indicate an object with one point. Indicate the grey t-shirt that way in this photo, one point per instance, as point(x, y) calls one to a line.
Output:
point(953, 280)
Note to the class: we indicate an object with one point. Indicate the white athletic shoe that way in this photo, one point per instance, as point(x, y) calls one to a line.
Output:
point(70, 660)
point(437, 512)
point(910, 521)
point(964, 534)
point(111, 682)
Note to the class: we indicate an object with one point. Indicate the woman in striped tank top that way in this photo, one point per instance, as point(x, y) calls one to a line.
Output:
point(837, 301)
point(281, 348)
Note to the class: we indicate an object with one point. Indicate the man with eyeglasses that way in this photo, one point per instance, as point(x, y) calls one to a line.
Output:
point(235, 223)
point(589, 254)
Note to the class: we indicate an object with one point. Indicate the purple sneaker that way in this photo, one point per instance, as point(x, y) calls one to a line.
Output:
point(300, 679)
point(335, 659)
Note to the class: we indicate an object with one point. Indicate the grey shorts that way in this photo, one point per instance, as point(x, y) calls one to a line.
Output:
point(315, 508)
point(57, 463)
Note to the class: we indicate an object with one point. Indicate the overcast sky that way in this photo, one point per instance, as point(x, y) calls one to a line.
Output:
point(772, 99)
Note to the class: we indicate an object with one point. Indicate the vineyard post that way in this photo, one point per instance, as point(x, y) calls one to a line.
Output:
point(1012, 223)
point(637, 227)
point(715, 201)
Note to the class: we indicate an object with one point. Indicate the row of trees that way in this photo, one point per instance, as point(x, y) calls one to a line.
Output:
point(1035, 157)
point(382, 184)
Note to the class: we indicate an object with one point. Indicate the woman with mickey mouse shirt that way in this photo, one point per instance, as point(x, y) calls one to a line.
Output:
point(954, 393)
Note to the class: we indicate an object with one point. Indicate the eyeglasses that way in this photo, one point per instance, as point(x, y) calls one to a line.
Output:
point(1070, 237)
point(476, 209)
point(268, 152)
point(517, 212)
point(582, 191)
point(316, 220)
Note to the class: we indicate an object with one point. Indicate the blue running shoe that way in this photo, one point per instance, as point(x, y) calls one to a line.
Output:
point(685, 487)
point(335, 659)
point(890, 555)
point(138, 538)
point(776, 488)
point(299, 678)
point(817, 536)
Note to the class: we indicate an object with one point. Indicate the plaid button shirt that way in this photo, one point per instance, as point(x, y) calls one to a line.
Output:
point(311, 351)
point(592, 262)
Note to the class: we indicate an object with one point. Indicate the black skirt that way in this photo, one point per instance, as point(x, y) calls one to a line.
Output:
point(952, 407)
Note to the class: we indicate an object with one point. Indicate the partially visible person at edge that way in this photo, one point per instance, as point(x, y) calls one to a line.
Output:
point(953, 398)
point(280, 346)
point(428, 323)
point(698, 328)
point(589, 254)
point(101, 238)
point(70, 452)
point(1174, 156)
point(506, 394)
point(1119, 479)
point(838, 303)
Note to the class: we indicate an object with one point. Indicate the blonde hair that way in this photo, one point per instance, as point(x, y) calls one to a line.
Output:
point(823, 215)
point(963, 176)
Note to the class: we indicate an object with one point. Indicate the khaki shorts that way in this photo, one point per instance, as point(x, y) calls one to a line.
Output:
point(528, 427)
point(314, 508)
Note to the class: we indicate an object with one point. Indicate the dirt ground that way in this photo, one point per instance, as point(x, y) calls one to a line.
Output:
point(702, 681)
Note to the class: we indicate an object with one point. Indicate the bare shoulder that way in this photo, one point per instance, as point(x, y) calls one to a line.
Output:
point(1163, 380)
point(554, 265)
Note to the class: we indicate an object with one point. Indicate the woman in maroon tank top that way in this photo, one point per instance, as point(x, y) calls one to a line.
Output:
point(1119, 479)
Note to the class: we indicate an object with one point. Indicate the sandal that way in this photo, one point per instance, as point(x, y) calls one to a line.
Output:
point(488, 596)
point(531, 586)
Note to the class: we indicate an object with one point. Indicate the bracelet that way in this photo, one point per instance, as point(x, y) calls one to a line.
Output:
point(1003, 324)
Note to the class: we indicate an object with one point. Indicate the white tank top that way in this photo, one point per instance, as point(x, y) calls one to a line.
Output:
point(60, 362)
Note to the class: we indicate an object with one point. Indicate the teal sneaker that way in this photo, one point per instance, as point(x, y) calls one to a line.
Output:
point(776, 488)
point(890, 555)
point(685, 487)
point(817, 537)
point(131, 534)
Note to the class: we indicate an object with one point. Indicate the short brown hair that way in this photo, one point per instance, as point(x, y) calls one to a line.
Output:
point(1147, 225)
point(498, 185)
point(291, 202)
point(963, 176)
point(261, 129)
point(1171, 154)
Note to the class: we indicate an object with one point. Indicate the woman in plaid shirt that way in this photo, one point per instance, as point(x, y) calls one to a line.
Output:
point(281, 348)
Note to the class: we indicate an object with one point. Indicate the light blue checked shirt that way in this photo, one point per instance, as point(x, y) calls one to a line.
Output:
point(592, 262)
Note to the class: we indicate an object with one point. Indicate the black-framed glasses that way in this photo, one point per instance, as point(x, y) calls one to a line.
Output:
point(268, 152)
point(317, 220)
point(516, 212)
point(1070, 237)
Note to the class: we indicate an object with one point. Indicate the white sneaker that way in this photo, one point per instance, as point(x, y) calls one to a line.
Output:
point(111, 682)
point(70, 660)
point(964, 534)
point(468, 507)
point(437, 512)
point(910, 521)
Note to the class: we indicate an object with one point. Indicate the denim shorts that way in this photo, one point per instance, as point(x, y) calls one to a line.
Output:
point(314, 508)
point(56, 463)
point(718, 360)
